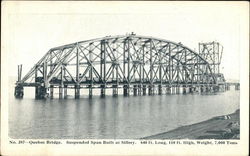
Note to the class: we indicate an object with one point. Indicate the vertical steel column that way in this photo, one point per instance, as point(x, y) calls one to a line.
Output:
point(169, 65)
point(61, 85)
point(191, 89)
point(65, 91)
point(77, 85)
point(19, 88)
point(160, 73)
point(90, 91)
point(144, 87)
point(128, 50)
point(45, 74)
point(125, 90)
point(51, 91)
point(117, 80)
point(19, 74)
point(185, 66)
point(115, 90)
point(126, 60)
point(36, 80)
point(45, 83)
point(135, 90)
point(103, 67)
point(91, 70)
point(150, 88)
point(140, 89)
point(140, 78)
point(177, 89)
point(50, 70)
point(65, 86)
point(184, 90)
point(160, 89)
point(213, 58)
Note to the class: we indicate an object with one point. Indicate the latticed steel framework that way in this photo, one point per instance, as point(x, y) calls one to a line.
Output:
point(120, 60)
point(212, 53)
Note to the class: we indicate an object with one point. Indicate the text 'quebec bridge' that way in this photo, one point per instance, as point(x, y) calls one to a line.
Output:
point(138, 64)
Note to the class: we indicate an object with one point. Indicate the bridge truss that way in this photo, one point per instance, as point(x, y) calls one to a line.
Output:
point(115, 62)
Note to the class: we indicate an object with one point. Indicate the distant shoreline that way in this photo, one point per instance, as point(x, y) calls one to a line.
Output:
point(220, 127)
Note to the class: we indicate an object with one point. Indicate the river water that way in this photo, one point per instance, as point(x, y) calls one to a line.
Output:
point(112, 117)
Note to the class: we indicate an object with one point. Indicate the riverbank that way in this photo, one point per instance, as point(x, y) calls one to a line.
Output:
point(220, 127)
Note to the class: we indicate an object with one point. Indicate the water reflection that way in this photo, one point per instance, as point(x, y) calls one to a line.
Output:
point(113, 117)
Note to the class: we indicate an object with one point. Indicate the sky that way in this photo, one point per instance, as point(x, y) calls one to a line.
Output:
point(30, 29)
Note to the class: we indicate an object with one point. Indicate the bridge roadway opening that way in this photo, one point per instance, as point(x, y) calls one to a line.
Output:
point(139, 65)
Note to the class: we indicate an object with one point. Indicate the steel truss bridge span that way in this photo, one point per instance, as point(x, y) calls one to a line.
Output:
point(118, 61)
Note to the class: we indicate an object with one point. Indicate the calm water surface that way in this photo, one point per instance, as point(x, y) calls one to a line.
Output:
point(113, 117)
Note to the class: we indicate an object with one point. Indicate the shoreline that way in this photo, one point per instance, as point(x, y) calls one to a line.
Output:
point(219, 127)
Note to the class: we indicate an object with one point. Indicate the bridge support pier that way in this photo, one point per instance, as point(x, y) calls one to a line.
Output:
point(51, 89)
point(103, 90)
point(198, 89)
point(90, 91)
point(41, 92)
point(207, 88)
point(174, 90)
point(184, 90)
point(160, 90)
point(77, 91)
point(18, 91)
point(168, 90)
point(115, 90)
point(144, 90)
point(139, 89)
point(65, 91)
point(135, 89)
point(150, 90)
point(177, 90)
point(191, 89)
point(60, 92)
point(126, 90)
